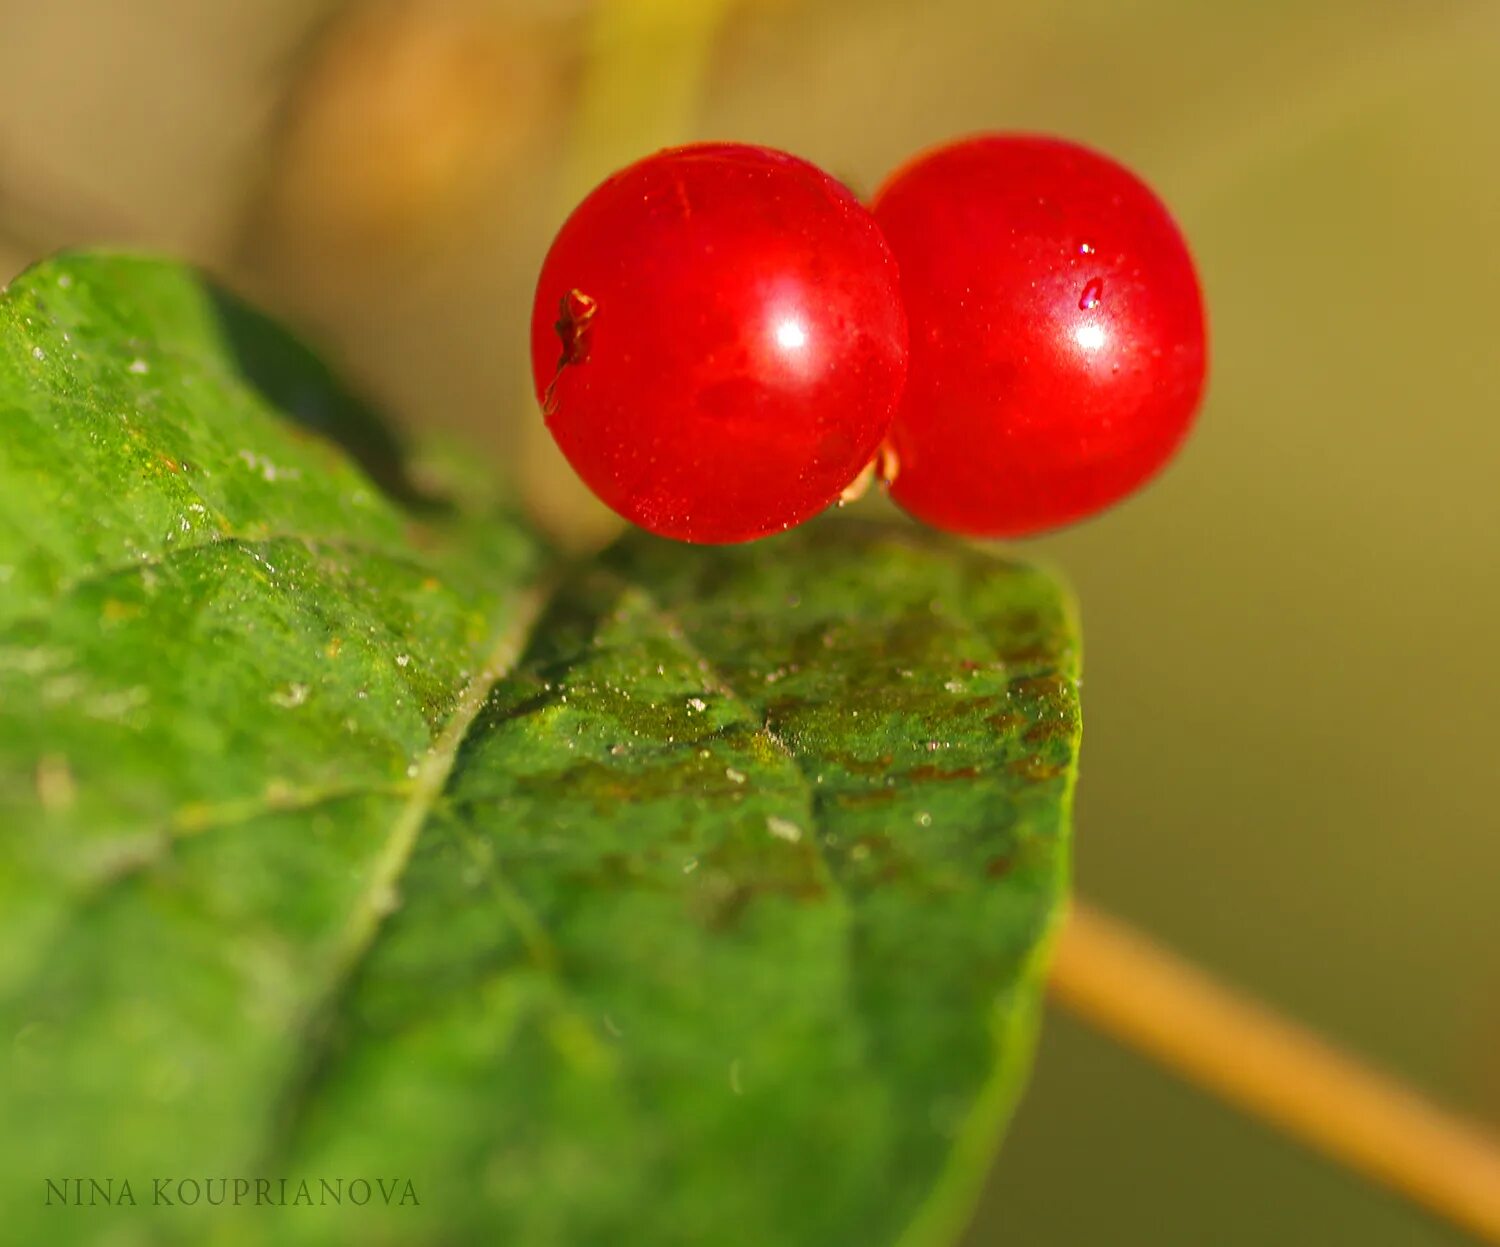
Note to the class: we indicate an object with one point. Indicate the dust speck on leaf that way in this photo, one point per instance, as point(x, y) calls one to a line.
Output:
point(56, 788)
point(784, 829)
point(291, 696)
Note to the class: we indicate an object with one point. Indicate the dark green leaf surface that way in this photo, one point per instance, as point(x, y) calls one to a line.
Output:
point(689, 896)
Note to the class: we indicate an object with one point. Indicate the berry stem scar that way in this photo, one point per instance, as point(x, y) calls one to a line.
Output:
point(574, 313)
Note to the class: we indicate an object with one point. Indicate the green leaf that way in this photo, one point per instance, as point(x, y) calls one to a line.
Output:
point(687, 896)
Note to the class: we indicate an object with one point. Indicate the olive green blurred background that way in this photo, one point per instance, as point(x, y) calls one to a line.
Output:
point(1292, 690)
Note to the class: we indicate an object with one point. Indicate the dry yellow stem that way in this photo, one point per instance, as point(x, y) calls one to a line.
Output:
point(1151, 1000)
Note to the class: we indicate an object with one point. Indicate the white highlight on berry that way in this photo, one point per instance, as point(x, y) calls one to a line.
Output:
point(1089, 337)
point(791, 334)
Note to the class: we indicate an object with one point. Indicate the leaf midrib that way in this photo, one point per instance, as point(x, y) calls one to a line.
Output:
point(378, 899)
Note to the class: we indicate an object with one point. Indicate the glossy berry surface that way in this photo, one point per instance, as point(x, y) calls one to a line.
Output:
point(718, 341)
point(1058, 343)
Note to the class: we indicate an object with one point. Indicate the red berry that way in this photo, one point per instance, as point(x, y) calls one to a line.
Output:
point(718, 341)
point(1057, 333)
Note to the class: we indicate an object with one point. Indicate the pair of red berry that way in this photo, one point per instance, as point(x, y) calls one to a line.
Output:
point(1015, 326)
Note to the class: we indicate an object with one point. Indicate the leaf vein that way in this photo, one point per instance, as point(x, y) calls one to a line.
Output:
point(171, 554)
point(377, 900)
